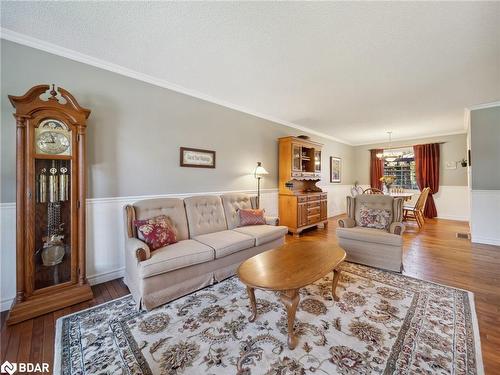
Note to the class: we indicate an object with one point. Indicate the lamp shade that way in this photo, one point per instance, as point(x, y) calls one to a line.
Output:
point(260, 170)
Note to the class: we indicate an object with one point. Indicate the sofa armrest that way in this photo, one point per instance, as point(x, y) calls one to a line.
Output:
point(347, 223)
point(137, 247)
point(271, 220)
point(397, 228)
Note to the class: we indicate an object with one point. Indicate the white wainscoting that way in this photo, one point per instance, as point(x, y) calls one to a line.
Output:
point(452, 202)
point(105, 234)
point(485, 216)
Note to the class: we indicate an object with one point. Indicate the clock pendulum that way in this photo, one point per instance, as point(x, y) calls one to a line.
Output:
point(53, 248)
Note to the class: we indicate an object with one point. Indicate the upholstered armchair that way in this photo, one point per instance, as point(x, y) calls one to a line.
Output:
point(371, 234)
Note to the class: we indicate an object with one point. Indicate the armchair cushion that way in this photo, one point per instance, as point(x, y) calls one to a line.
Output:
point(179, 255)
point(379, 236)
point(378, 218)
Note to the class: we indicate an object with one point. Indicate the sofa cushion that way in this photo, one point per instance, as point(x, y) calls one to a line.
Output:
point(251, 217)
point(379, 236)
point(204, 215)
point(171, 207)
point(263, 233)
point(232, 203)
point(226, 242)
point(156, 232)
point(179, 255)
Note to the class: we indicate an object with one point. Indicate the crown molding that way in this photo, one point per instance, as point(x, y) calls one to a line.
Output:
point(468, 110)
point(463, 131)
point(54, 49)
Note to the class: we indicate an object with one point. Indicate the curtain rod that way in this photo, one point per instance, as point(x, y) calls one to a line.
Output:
point(404, 146)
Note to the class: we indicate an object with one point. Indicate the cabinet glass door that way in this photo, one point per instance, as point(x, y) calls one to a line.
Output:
point(317, 161)
point(296, 158)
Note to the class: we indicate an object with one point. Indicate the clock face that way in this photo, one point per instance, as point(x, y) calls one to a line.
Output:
point(53, 137)
point(54, 143)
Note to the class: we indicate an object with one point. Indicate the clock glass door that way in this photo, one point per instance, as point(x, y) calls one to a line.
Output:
point(52, 242)
point(52, 212)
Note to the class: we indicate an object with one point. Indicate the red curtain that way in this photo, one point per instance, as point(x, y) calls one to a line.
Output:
point(427, 173)
point(376, 169)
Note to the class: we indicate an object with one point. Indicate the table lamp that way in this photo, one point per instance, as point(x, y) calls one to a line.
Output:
point(258, 173)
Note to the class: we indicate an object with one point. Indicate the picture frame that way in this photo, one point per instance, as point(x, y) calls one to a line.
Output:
point(197, 158)
point(335, 169)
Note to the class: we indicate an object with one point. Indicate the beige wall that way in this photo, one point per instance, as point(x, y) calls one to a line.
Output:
point(453, 149)
point(135, 131)
point(485, 148)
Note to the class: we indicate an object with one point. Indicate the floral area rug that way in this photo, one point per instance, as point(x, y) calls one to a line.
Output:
point(384, 323)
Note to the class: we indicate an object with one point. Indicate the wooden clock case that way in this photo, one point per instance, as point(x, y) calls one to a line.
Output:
point(41, 288)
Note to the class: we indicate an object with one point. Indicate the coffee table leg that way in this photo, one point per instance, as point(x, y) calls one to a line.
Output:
point(290, 299)
point(253, 303)
point(336, 277)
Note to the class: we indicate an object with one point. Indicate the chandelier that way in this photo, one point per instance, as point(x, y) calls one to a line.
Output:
point(389, 155)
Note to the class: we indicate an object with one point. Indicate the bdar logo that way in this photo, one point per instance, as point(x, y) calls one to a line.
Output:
point(8, 367)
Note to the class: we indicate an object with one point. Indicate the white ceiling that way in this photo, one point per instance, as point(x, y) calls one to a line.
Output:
point(351, 70)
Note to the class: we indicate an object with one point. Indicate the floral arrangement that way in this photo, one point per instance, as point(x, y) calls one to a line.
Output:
point(388, 180)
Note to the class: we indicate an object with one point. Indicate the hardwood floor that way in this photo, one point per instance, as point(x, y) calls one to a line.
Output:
point(433, 253)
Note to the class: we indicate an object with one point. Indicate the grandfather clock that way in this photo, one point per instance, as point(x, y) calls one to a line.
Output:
point(50, 202)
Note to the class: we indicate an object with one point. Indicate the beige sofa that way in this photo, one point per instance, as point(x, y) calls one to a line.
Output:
point(209, 249)
point(373, 247)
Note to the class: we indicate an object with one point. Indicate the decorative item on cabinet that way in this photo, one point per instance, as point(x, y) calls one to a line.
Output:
point(301, 203)
point(50, 203)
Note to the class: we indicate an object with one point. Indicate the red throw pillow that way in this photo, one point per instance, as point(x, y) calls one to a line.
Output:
point(251, 217)
point(156, 232)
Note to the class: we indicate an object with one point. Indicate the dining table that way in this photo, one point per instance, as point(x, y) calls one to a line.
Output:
point(405, 195)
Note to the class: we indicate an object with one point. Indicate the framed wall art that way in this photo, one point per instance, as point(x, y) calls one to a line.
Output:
point(335, 169)
point(197, 158)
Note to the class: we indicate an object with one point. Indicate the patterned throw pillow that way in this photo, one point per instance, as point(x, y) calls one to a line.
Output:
point(156, 232)
point(251, 217)
point(374, 217)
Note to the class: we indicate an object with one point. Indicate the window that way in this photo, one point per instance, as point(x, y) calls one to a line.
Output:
point(403, 168)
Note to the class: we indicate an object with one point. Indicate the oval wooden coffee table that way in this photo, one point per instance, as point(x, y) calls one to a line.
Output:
point(287, 269)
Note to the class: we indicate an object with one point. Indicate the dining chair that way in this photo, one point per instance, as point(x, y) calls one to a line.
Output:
point(356, 190)
point(372, 191)
point(416, 211)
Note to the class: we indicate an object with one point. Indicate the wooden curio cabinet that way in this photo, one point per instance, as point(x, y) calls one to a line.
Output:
point(50, 202)
point(301, 203)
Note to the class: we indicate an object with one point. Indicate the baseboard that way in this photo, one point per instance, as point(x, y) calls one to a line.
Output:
point(451, 217)
point(485, 240)
point(5, 304)
point(106, 276)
